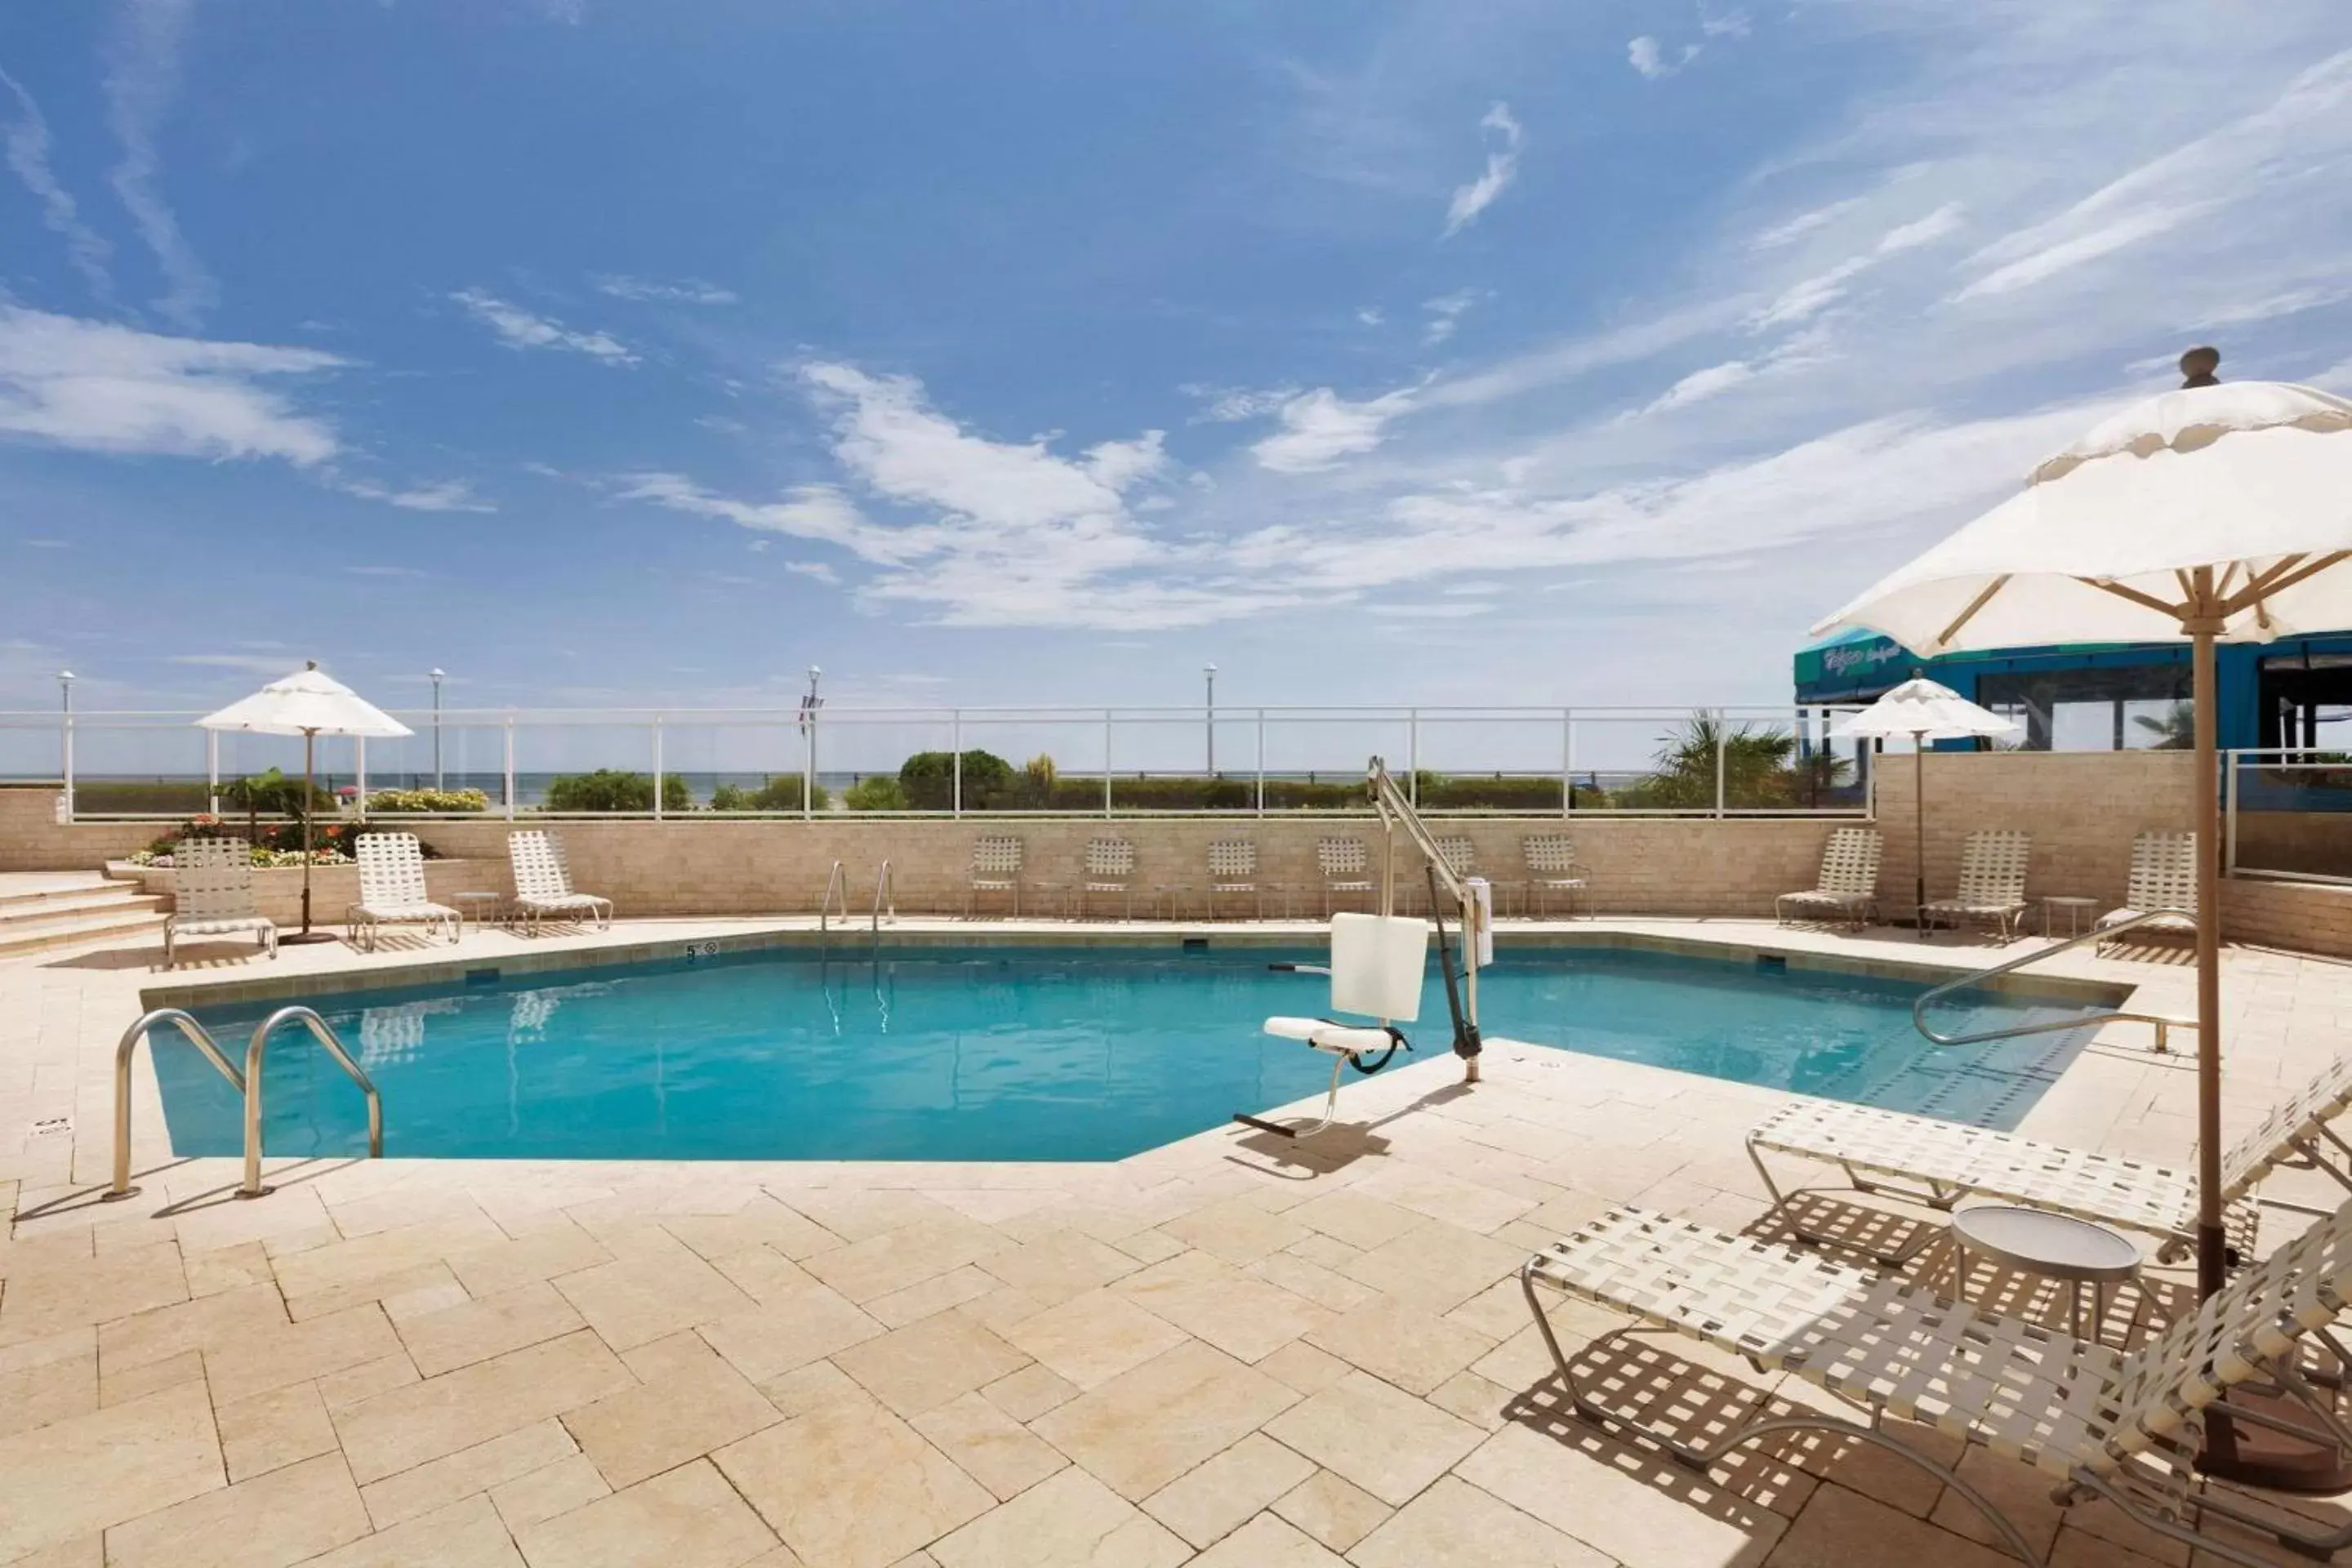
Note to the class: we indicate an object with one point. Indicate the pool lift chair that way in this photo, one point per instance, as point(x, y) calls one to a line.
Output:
point(1378, 960)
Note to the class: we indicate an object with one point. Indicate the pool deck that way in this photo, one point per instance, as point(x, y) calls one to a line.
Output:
point(1228, 1351)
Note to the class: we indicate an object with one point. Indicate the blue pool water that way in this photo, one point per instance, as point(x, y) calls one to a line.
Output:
point(1024, 1053)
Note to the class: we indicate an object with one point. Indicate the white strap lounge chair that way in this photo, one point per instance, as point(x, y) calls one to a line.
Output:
point(542, 882)
point(1849, 882)
point(1553, 871)
point(995, 868)
point(1232, 869)
point(1949, 1162)
point(392, 889)
point(1346, 866)
point(2163, 876)
point(1107, 866)
point(212, 895)
point(1992, 882)
point(2122, 1425)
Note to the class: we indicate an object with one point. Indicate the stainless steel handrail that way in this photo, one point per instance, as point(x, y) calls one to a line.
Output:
point(884, 891)
point(2164, 1025)
point(835, 881)
point(311, 1020)
point(196, 1036)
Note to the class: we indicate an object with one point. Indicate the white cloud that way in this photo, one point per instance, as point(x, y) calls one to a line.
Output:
point(686, 291)
point(27, 142)
point(1701, 384)
point(1944, 220)
point(1369, 315)
point(98, 387)
point(1727, 25)
point(519, 328)
point(1118, 464)
point(1319, 427)
point(817, 569)
point(1445, 314)
point(1803, 224)
point(446, 495)
point(144, 77)
point(1232, 404)
point(2063, 255)
point(1646, 57)
point(1809, 297)
point(1501, 167)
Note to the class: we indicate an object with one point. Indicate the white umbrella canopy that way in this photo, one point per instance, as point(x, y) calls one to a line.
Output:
point(2215, 512)
point(1924, 711)
point(309, 703)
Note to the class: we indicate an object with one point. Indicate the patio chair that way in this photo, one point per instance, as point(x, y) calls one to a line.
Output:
point(2124, 1426)
point(1347, 868)
point(1107, 866)
point(392, 889)
point(212, 895)
point(1951, 1160)
point(1552, 869)
point(1849, 881)
point(1232, 869)
point(542, 882)
point(2163, 876)
point(995, 868)
point(1992, 882)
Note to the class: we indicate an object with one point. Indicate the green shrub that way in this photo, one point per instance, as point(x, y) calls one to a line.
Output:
point(614, 789)
point(929, 779)
point(880, 792)
point(781, 792)
point(428, 800)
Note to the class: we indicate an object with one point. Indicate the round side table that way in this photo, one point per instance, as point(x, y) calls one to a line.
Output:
point(2076, 907)
point(2074, 1252)
point(483, 907)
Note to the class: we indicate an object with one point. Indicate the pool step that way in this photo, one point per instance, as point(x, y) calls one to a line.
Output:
point(71, 914)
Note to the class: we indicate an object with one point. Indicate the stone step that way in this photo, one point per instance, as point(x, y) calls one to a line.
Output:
point(108, 897)
point(18, 937)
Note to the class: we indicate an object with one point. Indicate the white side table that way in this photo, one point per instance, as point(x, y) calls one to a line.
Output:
point(484, 906)
point(2076, 907)
point(2074, 1252)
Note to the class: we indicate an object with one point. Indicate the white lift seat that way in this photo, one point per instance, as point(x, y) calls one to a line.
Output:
point(1377, 965)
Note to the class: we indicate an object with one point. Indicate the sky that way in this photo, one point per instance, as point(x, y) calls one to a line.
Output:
point(617, 352)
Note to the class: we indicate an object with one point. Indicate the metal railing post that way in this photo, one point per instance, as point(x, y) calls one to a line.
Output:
point(509, 776)
point(1567, 763)
point(808, 772)
point(65, 759)
point(1413, 756)
point(1107, 807)
point(1722, 745)
point(1261, 761)
point(658, 767)
point(2232, 764)
point(359, 775)
point(955, 755)
point(212, 772)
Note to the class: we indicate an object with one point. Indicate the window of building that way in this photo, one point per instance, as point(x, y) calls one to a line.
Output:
point(2106, 708)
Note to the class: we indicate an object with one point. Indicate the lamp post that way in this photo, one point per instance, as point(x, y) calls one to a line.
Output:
point(436, 675)
point(1209, 708)
point(65, 736)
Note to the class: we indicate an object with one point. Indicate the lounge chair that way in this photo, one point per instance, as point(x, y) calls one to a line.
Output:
point(995, 868)
point(1849, 881)
point(1346, 866)
point(212, 895)
point(1992, 882)
point(1552, 869)
point(2163, 876)
point(1232, 869)
point(1951, 1160)
point(542, 882)
point(1107, 866)
point(392, 889)
point(2122, 1425)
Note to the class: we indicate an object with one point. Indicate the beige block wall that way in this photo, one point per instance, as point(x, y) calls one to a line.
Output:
point(2084, 808)
point(33, 839)
point(2304, 917)
point(334, 888)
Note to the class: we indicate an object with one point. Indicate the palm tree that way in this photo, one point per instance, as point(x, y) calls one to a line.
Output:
point(2175, 730)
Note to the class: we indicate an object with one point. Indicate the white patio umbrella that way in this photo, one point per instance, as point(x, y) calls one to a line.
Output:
point(2212, 512)
point(309, 704)
point(1926, 711)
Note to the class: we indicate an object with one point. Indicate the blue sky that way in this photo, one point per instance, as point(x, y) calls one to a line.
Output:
point(610, 351)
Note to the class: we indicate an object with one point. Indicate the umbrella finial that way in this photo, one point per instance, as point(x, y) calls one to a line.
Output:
point(2198, 365)
point(310, 664)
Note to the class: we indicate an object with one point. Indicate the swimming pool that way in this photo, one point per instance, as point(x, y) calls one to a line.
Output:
point(1025, 1053)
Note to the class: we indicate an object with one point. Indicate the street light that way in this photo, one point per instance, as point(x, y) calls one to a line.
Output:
point(436, 675)
point(65, 736)
point(1209, 708)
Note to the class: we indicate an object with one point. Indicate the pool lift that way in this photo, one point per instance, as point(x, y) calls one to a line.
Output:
point(1377, 962)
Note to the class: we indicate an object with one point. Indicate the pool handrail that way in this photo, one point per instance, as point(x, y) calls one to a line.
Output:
point(837, 882)
point(2164, 1024)
point(885, 894)
point(310, 1019)
point(196, 1036)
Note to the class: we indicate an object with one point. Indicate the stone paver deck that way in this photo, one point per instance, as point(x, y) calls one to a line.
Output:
point(1226, 1352)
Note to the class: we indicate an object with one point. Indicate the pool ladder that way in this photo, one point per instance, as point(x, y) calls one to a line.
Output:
point(247, 1085)
point(837, 894)
point(2163, 1023)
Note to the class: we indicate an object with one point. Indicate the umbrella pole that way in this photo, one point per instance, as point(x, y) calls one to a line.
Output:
point(2210, 1260)
point(1920, 834)
point(310, 739)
